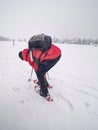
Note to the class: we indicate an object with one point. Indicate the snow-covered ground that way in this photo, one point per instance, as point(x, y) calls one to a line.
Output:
point(75, 92)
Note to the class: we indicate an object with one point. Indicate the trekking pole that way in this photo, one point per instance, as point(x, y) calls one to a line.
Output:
point(31, 75)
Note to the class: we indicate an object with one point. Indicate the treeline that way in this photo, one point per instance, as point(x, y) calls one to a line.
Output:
point(4, 38)
point(12, 39)
point(83, 41)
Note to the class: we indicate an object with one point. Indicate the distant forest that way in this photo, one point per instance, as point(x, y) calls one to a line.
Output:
point(83, 41)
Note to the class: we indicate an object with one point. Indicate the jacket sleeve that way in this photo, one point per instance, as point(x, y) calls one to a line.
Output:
point(24, 54)
point(26, 57)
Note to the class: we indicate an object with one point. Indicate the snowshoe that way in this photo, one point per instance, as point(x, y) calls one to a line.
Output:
point(38, 91)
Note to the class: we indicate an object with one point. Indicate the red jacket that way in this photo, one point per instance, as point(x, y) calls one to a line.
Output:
point(51, 54)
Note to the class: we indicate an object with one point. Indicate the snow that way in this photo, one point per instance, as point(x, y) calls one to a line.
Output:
point(75, 91)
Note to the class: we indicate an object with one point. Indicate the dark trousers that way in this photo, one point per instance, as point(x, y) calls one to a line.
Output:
point(43, 68)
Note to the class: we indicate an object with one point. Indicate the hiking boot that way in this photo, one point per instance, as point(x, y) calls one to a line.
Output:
point(44, 94)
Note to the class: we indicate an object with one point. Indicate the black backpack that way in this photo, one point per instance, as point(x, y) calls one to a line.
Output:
point(40, 41)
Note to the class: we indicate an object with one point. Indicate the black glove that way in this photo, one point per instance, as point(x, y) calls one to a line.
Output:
point(20, 55)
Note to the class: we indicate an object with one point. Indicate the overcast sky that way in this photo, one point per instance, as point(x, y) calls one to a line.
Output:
point(59, 18)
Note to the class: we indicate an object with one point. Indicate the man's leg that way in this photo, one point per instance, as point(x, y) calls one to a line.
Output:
point(43, 68)
point(42, 82)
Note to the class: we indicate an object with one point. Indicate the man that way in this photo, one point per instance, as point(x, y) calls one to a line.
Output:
point(42, 62)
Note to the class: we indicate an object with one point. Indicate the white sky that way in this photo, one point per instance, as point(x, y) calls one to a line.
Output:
point(59, 18)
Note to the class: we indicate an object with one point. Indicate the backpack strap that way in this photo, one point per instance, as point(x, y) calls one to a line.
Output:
point(33, 58)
